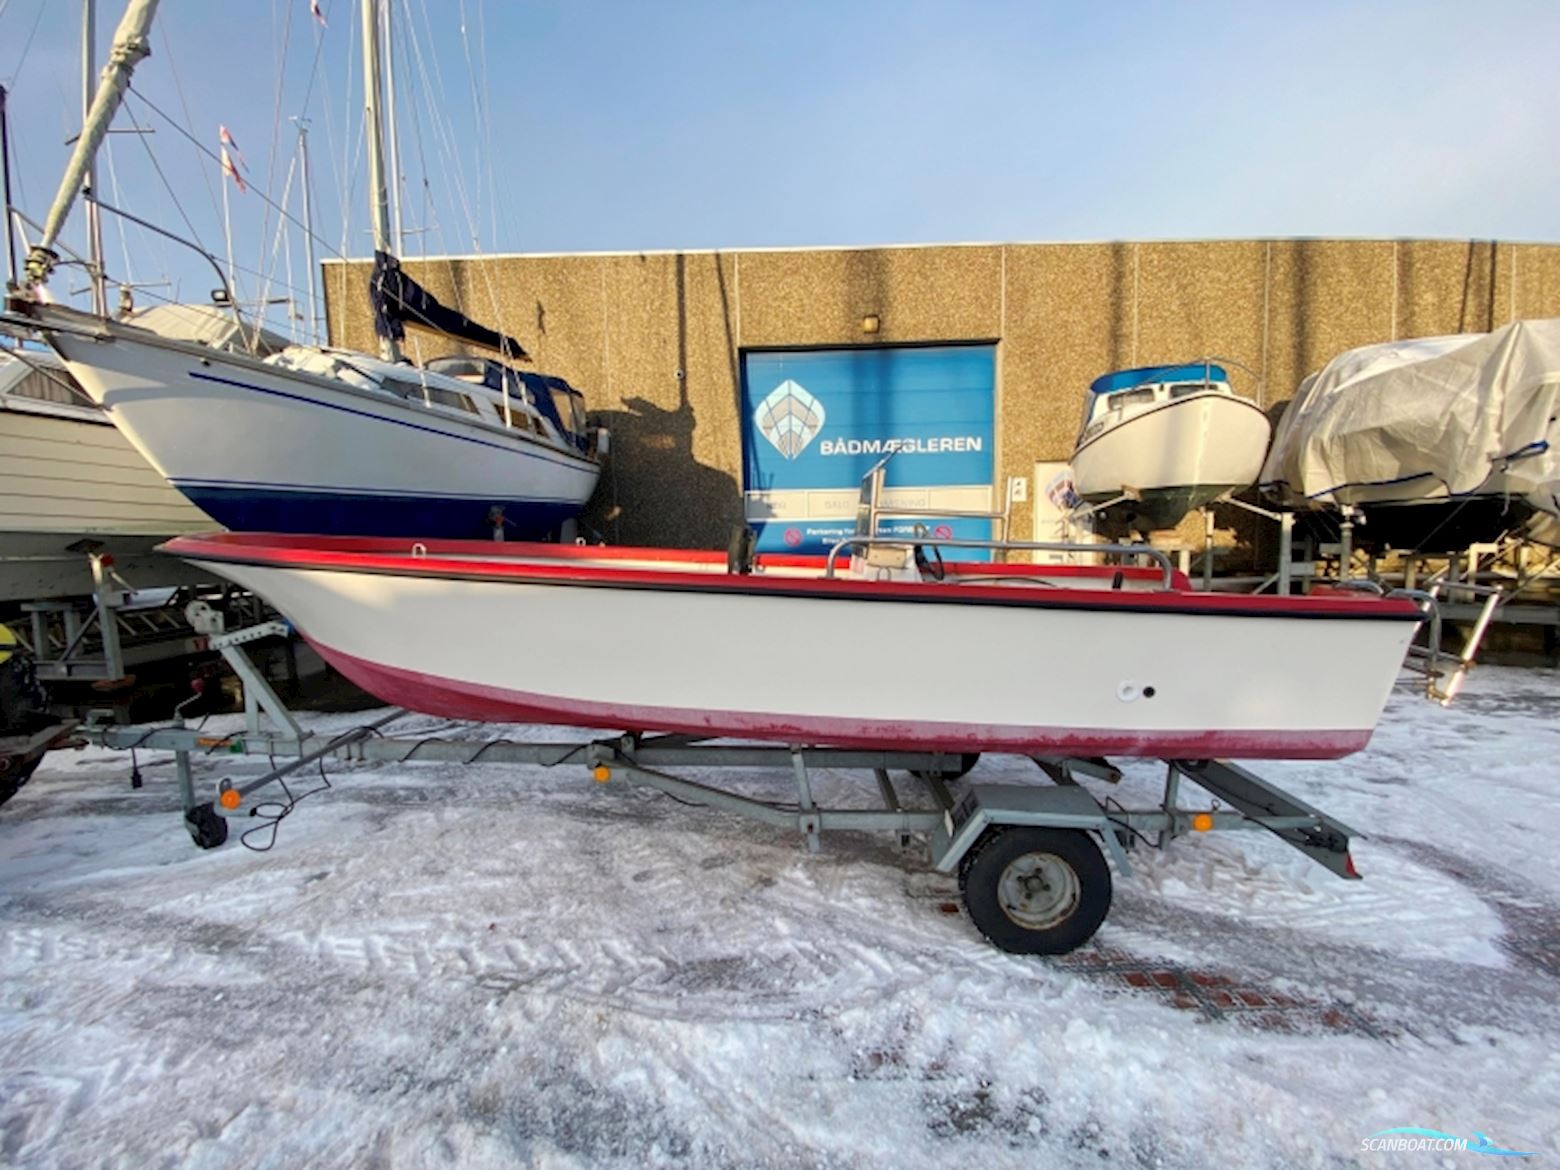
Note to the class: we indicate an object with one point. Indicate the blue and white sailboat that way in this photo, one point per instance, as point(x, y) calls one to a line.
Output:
point(322, 440)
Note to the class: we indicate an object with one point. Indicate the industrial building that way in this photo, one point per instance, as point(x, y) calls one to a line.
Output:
point(677, 351)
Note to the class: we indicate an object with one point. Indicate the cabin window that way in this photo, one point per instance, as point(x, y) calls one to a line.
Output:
point(1132, 398)
point(450, 398)
point(576, 416)
point(437, 395)
point(411, 391)
point(1182, 389)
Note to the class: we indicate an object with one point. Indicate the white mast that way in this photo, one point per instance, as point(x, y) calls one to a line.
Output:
point(308, 225)
point(130, 45)
point(392, 132)
point(378, 197)
point(89, 188)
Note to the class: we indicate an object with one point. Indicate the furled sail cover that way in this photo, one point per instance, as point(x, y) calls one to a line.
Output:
point(398, 300)
point(1425, 419)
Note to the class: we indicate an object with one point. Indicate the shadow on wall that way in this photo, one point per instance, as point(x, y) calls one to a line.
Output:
point(653, 490)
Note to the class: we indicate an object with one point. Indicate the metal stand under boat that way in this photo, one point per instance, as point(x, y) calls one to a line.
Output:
point(1030, 859)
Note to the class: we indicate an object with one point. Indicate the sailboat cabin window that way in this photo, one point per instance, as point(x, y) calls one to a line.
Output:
point(449, 398)
point(436, 395)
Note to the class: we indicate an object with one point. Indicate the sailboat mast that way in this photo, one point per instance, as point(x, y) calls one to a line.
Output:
point(130, 45)
point(392, 131)
point(379, 200)
point(89, 186)
point(5, 167)
point(308, 225)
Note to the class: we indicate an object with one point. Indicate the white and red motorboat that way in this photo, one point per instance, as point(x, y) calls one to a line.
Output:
point(1074, 660)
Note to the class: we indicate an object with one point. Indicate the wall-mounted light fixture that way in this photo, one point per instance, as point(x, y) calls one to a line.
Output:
point(871, 323)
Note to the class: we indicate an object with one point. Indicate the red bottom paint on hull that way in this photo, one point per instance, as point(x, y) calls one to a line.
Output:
point(457, 699)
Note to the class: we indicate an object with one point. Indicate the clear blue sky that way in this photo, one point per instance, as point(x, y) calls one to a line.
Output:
point(627, 126)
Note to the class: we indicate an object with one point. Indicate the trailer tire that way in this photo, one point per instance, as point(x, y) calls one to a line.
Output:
point(1034, 891)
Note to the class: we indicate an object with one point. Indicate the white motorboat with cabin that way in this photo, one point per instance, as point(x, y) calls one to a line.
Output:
point(1161, 441)
point(324, 440)
point(1438, 441)
point(70, 483)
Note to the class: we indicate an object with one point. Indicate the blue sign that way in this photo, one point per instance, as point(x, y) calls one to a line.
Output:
point(816, 421)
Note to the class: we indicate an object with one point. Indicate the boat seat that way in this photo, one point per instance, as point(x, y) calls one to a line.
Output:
point(885, 562)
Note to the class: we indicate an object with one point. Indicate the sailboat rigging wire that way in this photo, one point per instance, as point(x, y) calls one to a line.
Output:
point(216, 158)
point(269, 278)
point(452, 169)
point(156, 166)
point(484, 114)
point(16, 73)
point(280, 70)
point(193, 245)
point(113, 182)
point(189, 122)
point(292, 304)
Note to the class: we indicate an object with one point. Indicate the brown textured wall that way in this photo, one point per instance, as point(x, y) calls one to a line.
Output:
point(655, 340)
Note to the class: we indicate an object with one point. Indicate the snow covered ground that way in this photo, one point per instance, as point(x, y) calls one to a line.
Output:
point(500, 966)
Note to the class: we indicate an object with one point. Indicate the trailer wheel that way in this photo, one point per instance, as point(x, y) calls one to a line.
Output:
point(966, 763)
point(207, 829)
point(1036, 891)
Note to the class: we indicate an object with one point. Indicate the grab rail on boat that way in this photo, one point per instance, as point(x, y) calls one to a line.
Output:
point(1442, 682)
point(1166, 569)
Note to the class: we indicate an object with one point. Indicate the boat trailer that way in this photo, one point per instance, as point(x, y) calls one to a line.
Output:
point(1030, 859)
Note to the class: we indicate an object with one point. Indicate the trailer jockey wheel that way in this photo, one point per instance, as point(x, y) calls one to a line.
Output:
point(207, 828)
point(1036, 891)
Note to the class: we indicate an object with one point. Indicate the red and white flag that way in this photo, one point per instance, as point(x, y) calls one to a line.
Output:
point(229, 167)
point(227, 141)
point(317, 12)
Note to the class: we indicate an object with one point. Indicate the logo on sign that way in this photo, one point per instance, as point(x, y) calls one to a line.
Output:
point(790, 418)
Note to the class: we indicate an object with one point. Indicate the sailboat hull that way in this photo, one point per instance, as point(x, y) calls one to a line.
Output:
point(262, 448)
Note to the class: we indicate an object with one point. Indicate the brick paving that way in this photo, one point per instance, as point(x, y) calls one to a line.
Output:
point(1220, 996)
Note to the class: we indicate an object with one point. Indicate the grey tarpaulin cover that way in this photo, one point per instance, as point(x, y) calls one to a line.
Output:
point(1424, 419)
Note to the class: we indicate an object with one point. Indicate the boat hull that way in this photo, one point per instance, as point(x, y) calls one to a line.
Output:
point(268, 449)
point(849, 663)
point(1177, 456)
point(65, 480)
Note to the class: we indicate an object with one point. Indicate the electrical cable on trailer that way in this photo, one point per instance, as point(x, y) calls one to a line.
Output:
point(1109, 803)
point(284, 809)
point(285, 806)
point(289, 802)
